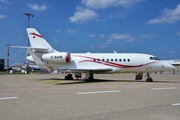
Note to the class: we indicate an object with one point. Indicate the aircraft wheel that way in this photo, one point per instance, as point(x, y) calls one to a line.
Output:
point(149, 79)
point(90, 78)
point(87, 80)
point(69, 77)
point(66, 78)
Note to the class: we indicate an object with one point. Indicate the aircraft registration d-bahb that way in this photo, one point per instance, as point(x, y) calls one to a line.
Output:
point(91, 63)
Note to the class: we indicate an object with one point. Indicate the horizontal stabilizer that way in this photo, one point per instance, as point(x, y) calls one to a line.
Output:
point(41, 48)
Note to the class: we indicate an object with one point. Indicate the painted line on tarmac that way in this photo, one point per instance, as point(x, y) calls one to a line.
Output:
point(53, 82)
point(8, 98)
point(167, 88)
point(176, 104)
point(97, 92)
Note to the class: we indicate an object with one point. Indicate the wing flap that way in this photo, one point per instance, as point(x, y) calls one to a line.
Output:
point(100, 70)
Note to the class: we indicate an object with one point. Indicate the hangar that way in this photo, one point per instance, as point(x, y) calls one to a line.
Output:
point(176, 63)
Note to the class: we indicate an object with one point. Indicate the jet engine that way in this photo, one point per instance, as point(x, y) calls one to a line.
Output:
point(30, 58)
point(60, 57)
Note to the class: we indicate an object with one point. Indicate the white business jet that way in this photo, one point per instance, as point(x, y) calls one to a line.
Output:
point(91, 63)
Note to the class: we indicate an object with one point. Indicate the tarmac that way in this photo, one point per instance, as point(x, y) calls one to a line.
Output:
point(108, 97)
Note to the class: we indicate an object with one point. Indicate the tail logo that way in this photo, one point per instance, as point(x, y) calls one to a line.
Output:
point(35, 34)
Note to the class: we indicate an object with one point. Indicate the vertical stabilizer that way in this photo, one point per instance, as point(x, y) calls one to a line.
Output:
point(37, 40)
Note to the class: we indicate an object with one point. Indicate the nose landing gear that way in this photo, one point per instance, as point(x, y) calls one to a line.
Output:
point(149, 79)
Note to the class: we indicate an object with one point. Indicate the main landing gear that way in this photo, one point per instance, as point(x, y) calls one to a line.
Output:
point(89, 76)
point(68, 77)
point(149, 79)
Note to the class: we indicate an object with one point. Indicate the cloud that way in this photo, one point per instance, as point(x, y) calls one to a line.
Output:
point(83, 15)
point(55, 41)
point(108, 41)
point(67, 30)
point(37, 7)
point(2, 16)
point(178, 33)
point(120, 14)
point(102, 46)
point(98, 20)
point(102, 4)
point(148, 35)
point(71, 31)
point(21, 50)
point(168, 16)
point(5, 1)
point(172, 52)
point(102, 35)
point(91, 35)
point(125, 37)
point(58, 30)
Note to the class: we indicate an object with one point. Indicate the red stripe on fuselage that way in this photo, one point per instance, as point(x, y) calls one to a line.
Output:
point(110, 63)
point(38, 35)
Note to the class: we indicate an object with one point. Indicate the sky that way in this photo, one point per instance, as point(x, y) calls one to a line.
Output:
point(96, 26)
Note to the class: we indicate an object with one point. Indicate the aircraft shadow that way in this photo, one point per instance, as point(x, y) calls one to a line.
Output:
point(82, 81)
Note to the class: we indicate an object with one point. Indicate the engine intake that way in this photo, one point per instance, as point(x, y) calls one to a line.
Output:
point(61, 57)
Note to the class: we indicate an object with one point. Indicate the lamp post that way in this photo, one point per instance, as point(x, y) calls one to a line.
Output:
point(27, 62)
point(8, 53)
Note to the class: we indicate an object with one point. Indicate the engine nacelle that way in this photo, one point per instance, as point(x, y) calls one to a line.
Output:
point(30, 58)
point(61, 57)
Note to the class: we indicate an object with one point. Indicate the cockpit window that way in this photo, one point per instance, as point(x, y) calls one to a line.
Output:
point(154, 58)
point(151, 58)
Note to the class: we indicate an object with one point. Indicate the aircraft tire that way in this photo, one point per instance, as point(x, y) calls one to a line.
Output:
point(149, 79)
point(69, 77)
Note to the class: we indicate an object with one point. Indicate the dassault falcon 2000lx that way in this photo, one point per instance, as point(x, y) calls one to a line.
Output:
point(91, 63)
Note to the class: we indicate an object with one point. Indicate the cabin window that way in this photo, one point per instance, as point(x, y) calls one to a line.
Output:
point(111, 60)
point(124, 60)
point(128, 60)
point(96, 60)
point(108, 60)
point(116, 60)
point(102, 59)
point(119, 60)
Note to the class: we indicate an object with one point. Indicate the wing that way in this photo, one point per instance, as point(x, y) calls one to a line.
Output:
point(101, 70)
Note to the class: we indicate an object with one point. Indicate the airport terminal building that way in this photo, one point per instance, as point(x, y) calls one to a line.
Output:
point(2, 62)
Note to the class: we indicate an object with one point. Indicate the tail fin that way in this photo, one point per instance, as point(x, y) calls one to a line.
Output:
point(39, 46)
point(37, 40)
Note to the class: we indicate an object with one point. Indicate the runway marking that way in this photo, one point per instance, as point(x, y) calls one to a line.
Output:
point(32, 89)
point(97, 92)
point(167, 88)
point(8, 98)
point(175, 104)
point(53, 82)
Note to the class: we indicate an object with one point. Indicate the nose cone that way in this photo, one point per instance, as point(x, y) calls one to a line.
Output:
point(168, 66)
